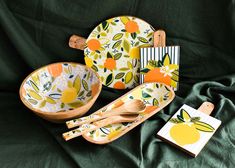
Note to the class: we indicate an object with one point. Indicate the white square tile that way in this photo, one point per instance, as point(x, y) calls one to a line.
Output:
point(189, 129)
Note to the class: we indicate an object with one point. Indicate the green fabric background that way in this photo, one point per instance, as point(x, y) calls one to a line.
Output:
point(34, 33)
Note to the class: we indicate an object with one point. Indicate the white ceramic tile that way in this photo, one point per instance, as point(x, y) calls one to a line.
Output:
point(185, 131)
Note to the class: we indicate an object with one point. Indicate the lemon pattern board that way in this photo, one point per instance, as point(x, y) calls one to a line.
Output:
point(189, 129)
point(60, 87)
point(112, 50)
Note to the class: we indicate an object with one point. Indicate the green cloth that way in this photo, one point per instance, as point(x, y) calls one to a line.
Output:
point(35, 33)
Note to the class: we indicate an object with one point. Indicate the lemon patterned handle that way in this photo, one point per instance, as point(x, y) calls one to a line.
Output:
point(85, 128)
point(83, 120)
point(79, 131)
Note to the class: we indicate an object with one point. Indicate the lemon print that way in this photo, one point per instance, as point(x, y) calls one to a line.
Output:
point(113, 134)
point(69, 95)
point(135, 53)
point(186, 128)
point(88, 61)
point(184, 134)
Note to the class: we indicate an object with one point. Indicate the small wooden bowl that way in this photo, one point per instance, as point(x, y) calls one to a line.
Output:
point(60, 91)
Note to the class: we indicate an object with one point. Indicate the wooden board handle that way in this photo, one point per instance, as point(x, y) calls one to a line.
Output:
point(206, 108)
point(77, 42)
point(159, 38)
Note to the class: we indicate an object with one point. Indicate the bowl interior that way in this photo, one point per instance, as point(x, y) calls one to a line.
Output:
point(59, 87)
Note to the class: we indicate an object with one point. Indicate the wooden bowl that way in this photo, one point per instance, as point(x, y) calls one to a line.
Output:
point(60, 91)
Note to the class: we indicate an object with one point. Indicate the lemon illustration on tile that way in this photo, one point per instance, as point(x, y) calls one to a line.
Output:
point(184, 134)
point(187, 129)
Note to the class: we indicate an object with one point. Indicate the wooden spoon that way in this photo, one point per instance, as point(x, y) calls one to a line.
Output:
point(85, 128)
point(134, 106)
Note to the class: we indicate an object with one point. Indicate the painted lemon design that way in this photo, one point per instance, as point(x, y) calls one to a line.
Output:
point(186, 128)
point(113, 49)
point(184, 134)
point(69, 95)
point(135, 53)
point(88, 61)
point(113, 134)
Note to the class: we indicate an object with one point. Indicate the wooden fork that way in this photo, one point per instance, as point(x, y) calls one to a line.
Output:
point(134, 106)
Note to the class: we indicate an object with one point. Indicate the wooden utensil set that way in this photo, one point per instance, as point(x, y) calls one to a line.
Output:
point(128, 112)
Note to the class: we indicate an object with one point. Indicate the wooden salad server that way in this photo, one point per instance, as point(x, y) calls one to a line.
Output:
point(131, 107)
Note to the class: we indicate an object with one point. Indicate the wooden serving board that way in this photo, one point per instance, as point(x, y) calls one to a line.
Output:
point(190, 129)
point(112, 49)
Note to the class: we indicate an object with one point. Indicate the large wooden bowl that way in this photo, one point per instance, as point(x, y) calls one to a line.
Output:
point(60, 91)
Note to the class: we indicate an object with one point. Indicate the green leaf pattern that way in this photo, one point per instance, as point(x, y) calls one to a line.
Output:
point(44, 92)
point(117, 36)
point(184, 117)
point(118, 42)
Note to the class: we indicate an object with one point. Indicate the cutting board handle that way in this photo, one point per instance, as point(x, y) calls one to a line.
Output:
point(159, 38)
point(77, 42)
point(206, 107)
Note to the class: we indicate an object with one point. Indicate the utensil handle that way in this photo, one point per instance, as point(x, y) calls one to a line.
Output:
point(93, 117)
point(83, 120)
point(85, 128)
point(78, 131)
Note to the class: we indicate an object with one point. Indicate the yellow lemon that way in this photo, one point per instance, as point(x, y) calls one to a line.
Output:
point(88, 61)
point(69, 95)
point(135, 53)
point(113, 134)
point(184, 134)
